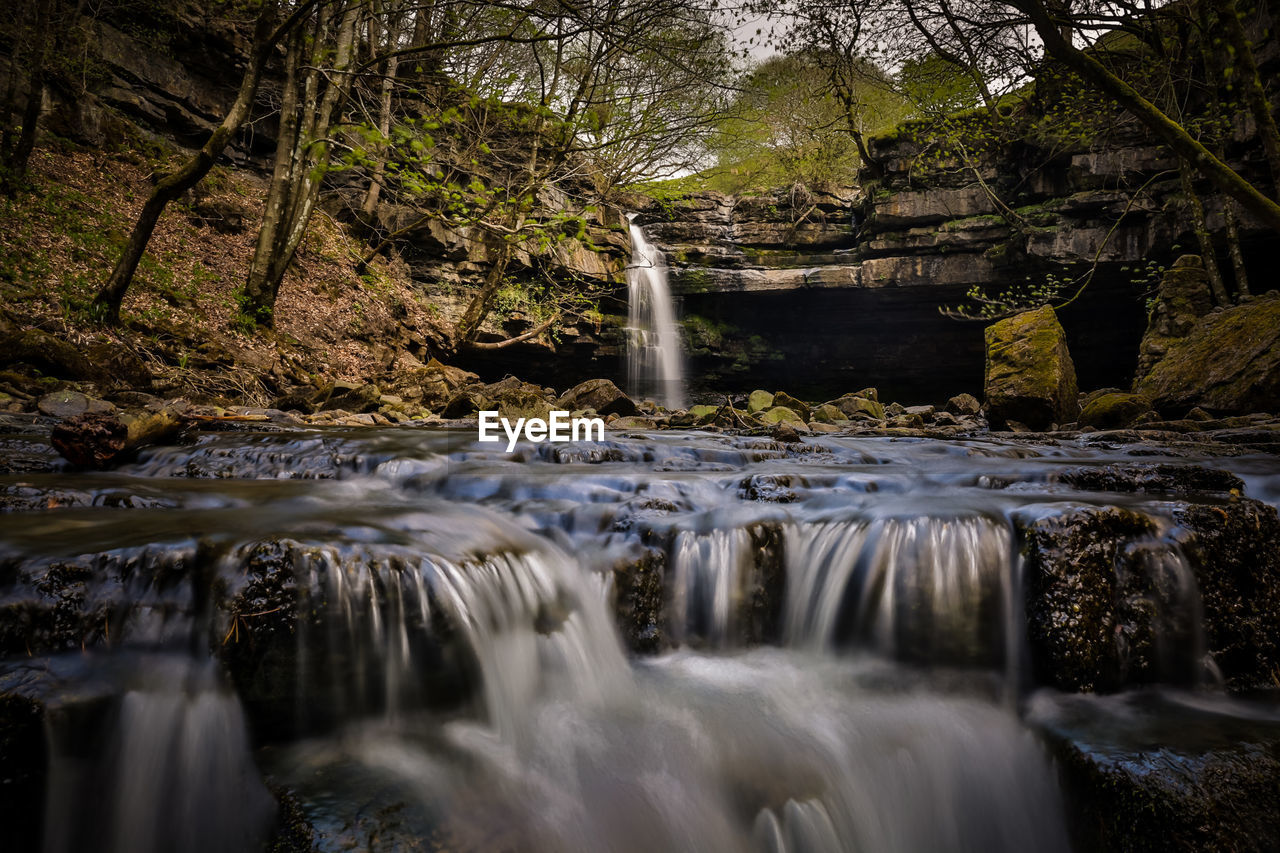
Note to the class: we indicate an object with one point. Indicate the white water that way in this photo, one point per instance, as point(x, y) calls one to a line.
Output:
point(655, 367)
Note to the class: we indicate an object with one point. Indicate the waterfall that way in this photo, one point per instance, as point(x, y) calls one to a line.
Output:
point(654, 362)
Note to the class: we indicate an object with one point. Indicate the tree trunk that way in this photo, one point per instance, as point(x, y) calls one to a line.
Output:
point(1167, 130)
point(1255, 94)
point(1234, 251)
point(384, 130)
point(478, 308)
point(16, 161)
point(1203, 238)
point(173, 186)
point(295, 187)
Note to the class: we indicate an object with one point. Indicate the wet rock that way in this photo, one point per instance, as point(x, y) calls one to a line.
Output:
point(964, 404)
point(1029, 374)
point(1114, 411)
point(100, 440)
point(1228, 362)
point(23, 766)
point(759, 401)
point(1149, 779)
point(1099, 614)
point(1235, 549)
point(786, 433)
point(598, 394)
point(785, 400)
point(633, 422)
point(1165, 479)
point(638, 601)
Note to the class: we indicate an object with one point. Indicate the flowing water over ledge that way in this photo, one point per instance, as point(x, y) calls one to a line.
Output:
point(670, 641)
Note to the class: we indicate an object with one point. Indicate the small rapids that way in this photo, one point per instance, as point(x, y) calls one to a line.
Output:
point(655, 642)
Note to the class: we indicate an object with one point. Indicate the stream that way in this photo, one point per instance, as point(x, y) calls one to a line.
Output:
point(661, 641)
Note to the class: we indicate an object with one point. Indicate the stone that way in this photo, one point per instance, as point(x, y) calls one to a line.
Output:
point(1029, 374)
point(759, 401)
point(66, 404)
point(925, 412)
point(1114, 411)
point(598, 394)
point(520, 403)
point(964, 404)
point(778, 414)
point(1228, 362)
point(827, 414)
point(353, 397)
point(1103, 612)
point(871, 394)
point(785, 432)
point(782, 398)
point(702, 414)
point(853, 405)
point(464, 404)
point(48, 354)
point(1182, 299)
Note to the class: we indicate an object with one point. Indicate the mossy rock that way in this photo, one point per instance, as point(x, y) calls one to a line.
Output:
point(827, 414)
point(855, 406)
point(1228, 363)
point(702, 414)
point(519, 403)
point(1115, 410)
point(1030, 378)
point(778, 414)
point(782, 398)
point(759, 401)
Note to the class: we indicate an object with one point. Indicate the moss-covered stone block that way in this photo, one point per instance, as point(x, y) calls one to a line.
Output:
point(1030, 378)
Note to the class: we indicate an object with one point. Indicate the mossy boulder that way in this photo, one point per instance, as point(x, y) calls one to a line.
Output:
point(782, 398)
point(1182, 299)
point(1115, 410)
point(854, 406)
point(778, 414)
point(828, 414)
point(703, 414)
point(1229, 362)
point(759, 401)
point(1030, 378)
point(521, 403)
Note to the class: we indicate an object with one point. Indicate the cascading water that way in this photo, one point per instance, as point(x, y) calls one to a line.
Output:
point(435, 641)
point(655, 363)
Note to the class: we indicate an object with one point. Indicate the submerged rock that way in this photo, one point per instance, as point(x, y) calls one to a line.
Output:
point(1029, 375)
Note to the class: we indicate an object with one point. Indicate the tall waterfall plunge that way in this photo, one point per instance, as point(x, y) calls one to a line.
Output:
point(655, 365)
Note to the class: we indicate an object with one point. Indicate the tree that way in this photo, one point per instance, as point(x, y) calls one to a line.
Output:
point(267, 33)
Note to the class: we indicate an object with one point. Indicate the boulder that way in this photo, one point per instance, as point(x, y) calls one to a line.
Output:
point(827, 414)
point(353, 397)
point(759, 401)
point(522, 403)
point(964, 404)
point(1181, 300)
point(1228, 362)
point(1110, 603)
point(782, 398)
point(46, 353)
point(66, 404)
point(1114, 411)
point(1029, 374)
point(852, 406)
point(779, 414)
point(598, 394)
